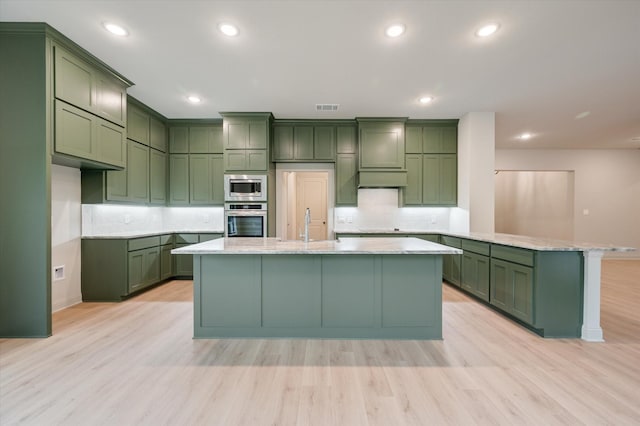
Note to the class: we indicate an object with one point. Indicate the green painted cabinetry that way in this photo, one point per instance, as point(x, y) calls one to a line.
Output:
point(381, 152)
point(196, 163)
point(512, 289)
point(183, 263)
point(346, 166)
point(452, 263)
point(304, 141)
point(157, 177)
point(246, 139)
point(475, 268)
point(432, 164)
point(113, 269)
point(138, 123)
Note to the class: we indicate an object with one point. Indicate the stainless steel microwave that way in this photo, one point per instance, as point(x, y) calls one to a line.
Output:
point(245, 188)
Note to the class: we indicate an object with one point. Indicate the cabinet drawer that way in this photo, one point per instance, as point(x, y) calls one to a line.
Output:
point(186, 238)
point(142, 243)
point(451, 241)
point(209, 237)
point(478, 247)
point(512, 254)
point(166, 239)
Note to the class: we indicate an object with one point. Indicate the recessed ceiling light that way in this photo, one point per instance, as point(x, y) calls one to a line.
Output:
point(194, 99)
point(525, 136)
point(115, 29)
point(487, 30)
point(228, 29)
point(425, 100)
point(395, 30)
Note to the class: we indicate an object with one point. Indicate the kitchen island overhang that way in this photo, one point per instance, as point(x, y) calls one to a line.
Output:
point(371, 288)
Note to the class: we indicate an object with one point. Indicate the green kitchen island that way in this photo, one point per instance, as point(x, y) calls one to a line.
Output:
point(371, 288)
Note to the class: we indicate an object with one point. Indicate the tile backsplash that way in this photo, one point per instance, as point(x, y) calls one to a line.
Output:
point(378, 210)
point(106, 219)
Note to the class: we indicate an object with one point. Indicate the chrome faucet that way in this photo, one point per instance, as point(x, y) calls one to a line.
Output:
point(307, 220)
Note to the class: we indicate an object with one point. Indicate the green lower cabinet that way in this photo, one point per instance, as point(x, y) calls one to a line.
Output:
point(166, 262)
point(475, 274)
point(451, 263)
point(512, 289)
point(144, 268)
point(183, 263)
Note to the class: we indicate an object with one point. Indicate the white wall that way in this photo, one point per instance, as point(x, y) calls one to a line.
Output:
point(476, 190)
point(535, 203)
point(606, 188)
point(65, 236)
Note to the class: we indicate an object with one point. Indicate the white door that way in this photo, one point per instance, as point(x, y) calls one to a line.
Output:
point(311, 193)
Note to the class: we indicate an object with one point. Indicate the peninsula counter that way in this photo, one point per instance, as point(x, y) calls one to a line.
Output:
point(385, 288)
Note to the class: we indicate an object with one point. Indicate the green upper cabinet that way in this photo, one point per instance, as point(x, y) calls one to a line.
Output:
point(381, 144)
point(157, 177)
point(324, 143)
point(138, 172)
point(346, 140)
point(206, 140)
point(85, 86)
point(179, 179)
point(178, 140)
point(246, 133)
point(157, 134)
point(432, 163)
point(138, 123)
point(246, 139)
point(206, 179)
point(346, 180)
point(304, 141)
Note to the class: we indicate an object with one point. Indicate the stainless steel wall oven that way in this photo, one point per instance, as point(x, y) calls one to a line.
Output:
point(245, 219)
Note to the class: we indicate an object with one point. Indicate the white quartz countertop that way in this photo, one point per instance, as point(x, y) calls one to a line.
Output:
point(141, 234)
point(343, 246)
point(531, 243)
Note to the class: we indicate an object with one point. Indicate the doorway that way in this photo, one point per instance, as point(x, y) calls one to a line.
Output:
point(297, 191)
point(535, 203)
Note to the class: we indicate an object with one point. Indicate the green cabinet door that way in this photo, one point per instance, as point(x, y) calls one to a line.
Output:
point(116, 184)
point(256, 159)
point(205, 139)
point(166, 262)
point(74, 81)
point(413, 140)
point(111, 145)
point(137, 125)
point(346, 140)
point(412, 193)
point(157, 177)
point(178, 179)
point(475, 274)
point(137, 270)
point(242, 133)
point(324, 143)
point(75, 133)
point(183, 263)
point(152, 267)
point(178, 140)
point(382, 146)
point(282, 143)
point(138, 172)
point(157, 134)
point(346, 184)
point(512, 289)
point(235, 160)
point(216, 174)
point(199, 181)
point(246, 160)
point(111, 99)
point(303, 142)
point(440, 140)
point(440, 179)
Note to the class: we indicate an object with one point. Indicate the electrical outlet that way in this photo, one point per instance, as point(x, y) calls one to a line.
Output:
point(127, 218)
point(433, 220)
point(58, 273)
point(349, 219)
point(205, 218)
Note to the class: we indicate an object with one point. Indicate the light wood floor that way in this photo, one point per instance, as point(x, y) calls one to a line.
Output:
point(135, 363)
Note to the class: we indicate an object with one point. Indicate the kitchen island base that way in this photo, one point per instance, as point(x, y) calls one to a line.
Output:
point(367, 296)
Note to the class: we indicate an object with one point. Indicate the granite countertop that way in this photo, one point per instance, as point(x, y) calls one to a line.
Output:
point(141, 234)
point(342, 246)
point(531, 243)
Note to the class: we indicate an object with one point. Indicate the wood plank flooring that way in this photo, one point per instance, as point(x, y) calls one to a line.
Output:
point(135, 363)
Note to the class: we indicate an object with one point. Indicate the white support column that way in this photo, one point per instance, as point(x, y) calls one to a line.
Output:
point(591, 330)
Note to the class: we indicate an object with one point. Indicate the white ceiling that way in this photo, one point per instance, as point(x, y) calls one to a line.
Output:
point(549, 62)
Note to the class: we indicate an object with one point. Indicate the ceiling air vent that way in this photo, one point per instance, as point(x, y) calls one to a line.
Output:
point(327, 107)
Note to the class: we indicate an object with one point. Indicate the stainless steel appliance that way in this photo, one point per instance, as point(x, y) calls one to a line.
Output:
point(245, 219)
point(245, 188)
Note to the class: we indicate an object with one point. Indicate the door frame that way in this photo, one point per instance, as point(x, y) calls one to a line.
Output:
point(282, 193)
